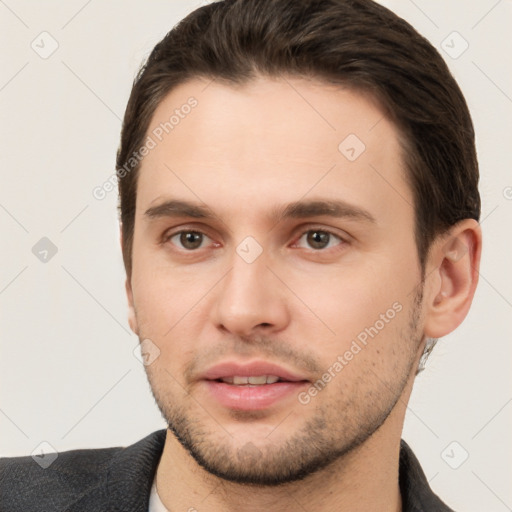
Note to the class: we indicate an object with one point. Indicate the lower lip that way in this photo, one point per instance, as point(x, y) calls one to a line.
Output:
point(252, 398)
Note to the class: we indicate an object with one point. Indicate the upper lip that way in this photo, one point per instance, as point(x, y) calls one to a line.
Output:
point(253, 369)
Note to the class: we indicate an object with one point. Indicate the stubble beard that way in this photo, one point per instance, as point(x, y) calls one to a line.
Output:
point(334, 429)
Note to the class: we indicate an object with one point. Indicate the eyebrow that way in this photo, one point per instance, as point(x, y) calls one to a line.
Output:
point(296, 210)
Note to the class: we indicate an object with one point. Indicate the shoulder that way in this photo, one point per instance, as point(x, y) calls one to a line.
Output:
point(113, 479)
point(417, 496)
point(27, 484)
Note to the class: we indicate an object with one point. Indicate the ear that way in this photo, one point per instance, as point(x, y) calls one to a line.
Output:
point(451, 277)
point(132, 317)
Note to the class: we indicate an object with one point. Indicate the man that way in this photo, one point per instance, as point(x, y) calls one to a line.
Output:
point(299, 225)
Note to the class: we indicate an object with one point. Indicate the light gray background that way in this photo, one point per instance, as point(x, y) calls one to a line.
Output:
point(68, 373)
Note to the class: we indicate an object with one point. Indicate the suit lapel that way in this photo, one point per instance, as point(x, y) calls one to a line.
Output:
point(125, 485)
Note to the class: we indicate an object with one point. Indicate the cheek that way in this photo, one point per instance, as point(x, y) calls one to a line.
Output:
point(347, 300)
point(166, 299)
point(373, 354)
point(169, 315)
point(369, 312)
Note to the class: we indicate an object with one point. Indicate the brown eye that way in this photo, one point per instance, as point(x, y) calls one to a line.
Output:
point(188, 240)
point(318, 239)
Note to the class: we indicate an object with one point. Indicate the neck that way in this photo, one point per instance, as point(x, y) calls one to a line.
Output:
point(364, 479)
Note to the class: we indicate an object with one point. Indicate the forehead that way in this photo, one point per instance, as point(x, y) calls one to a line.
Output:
point(272, 140)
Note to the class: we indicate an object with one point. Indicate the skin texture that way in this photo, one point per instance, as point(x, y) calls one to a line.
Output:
point(246, 152)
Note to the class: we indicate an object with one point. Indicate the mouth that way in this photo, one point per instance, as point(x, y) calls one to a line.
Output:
point(250, 373)
point(256, 380)
point(255, 386)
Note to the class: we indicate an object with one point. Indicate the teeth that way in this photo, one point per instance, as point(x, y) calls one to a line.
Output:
point(255, 381)
point(258, 380)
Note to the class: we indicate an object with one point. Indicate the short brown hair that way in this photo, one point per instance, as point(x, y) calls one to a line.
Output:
point(355, 43)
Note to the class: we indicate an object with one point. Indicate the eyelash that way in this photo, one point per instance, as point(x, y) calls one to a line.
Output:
point(342, 241)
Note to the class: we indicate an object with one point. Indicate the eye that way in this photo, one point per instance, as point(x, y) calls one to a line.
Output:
point(188, 240)
point(318, 239)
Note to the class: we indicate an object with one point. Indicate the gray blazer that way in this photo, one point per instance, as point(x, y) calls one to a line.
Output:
point(119, 480)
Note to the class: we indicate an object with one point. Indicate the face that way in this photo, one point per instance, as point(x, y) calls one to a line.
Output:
point(274, 238)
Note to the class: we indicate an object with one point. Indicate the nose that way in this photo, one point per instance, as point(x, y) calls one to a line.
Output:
point(251, 300)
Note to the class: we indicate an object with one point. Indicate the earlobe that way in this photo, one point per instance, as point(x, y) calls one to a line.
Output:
point(452, 275)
